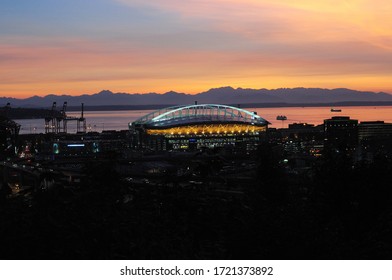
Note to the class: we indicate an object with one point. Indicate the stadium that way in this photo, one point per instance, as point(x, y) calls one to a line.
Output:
point(194, 127)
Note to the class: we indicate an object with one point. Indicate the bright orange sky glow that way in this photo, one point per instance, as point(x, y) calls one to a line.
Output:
point(191, 46)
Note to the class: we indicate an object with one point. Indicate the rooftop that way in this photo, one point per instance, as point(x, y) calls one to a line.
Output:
point(202, 113)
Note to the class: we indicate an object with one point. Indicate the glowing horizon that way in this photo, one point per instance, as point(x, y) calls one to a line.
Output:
point(77, 47)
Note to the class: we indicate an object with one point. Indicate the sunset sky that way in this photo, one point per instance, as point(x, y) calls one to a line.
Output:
point(84, 46)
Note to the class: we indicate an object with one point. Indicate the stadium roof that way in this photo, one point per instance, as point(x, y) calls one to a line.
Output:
point(203, 113)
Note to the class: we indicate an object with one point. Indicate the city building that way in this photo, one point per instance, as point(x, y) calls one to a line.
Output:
point(341, 135)
point(80, 145)
point(303, 139)
point(374, 140)
point(198, 126)
point(9, 131)
point(375, 130)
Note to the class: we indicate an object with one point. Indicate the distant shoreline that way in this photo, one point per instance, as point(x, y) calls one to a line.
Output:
point(245, 105)
point(40, 113)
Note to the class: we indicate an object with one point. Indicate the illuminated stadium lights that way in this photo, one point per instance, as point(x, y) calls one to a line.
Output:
point(197, 126)
point(206, 129)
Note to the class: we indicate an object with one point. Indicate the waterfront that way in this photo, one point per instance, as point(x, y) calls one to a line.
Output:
point(118, 120)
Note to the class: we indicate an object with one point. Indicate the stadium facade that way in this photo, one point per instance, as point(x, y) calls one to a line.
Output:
point(194, 127)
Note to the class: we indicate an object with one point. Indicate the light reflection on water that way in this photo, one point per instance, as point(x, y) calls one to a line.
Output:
point(118, 120)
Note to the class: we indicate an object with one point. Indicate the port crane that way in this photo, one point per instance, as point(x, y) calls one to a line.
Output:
point(57, 121)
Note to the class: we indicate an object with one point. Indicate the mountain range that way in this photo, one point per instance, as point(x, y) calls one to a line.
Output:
point(222, 95)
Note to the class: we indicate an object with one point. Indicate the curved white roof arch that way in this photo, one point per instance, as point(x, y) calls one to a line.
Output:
point(178, 115)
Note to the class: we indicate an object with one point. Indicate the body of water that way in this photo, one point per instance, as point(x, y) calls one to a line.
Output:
point(118, 120)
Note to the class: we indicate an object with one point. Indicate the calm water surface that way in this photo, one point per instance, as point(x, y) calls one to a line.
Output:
point(118, 120)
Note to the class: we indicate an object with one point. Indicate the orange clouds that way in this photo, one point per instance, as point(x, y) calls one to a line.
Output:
point(248, 43)
point(91, 66)
point(322, 19)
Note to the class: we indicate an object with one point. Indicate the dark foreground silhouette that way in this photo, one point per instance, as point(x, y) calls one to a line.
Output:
point(334, 211)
